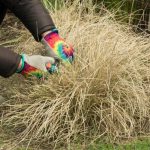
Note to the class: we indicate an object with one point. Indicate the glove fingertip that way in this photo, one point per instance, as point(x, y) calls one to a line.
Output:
point(50, 60)
point(53, 69)
point(48, 66)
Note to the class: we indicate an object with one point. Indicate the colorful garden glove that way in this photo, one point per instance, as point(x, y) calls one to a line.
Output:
point(57, 47)
point(36, 65)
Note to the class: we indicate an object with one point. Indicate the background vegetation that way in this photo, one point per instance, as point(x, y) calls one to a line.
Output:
point(138, 11)
point(134, 12)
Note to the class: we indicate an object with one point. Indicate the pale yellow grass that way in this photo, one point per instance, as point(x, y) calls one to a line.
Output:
point(105, 93)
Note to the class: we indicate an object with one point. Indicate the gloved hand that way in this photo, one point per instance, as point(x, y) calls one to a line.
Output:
point(57, 47)
point(36, 65)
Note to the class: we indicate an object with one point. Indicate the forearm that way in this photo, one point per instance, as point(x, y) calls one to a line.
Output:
point(33, 15)
point(9, 62)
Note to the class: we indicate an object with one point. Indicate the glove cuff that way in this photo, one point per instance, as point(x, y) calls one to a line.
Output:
point(51, 32)
point(22, 62)
point(55, 31)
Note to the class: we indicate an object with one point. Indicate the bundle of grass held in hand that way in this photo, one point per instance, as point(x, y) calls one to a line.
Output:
point(104, 94)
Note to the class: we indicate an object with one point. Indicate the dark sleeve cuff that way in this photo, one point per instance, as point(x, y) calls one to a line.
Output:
point(9, 62)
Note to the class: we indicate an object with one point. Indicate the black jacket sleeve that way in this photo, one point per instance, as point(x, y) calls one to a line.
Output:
point(33, 15)
point(9, 62)
point(2, 12)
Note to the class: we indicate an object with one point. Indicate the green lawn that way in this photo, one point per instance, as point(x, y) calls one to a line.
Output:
point(137, 145)
point(143, 144)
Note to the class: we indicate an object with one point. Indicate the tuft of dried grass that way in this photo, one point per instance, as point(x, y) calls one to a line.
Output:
point(105, 93)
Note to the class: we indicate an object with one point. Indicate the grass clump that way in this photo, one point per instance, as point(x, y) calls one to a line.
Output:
point(103, 95)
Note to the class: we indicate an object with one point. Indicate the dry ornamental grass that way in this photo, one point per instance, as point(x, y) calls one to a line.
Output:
point(104, 94)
